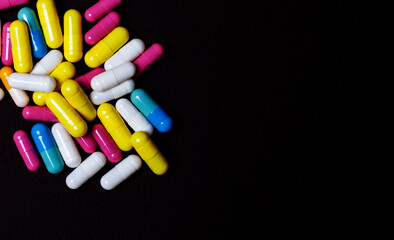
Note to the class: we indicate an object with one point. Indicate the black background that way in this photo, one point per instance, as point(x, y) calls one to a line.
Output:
point(257, 92)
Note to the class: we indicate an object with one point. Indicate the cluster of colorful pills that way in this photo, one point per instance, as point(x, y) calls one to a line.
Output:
point(71, 109)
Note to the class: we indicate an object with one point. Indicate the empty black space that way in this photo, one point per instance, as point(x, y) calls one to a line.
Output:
point(257, 92)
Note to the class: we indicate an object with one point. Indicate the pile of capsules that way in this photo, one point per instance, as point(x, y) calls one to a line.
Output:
point(71, 108)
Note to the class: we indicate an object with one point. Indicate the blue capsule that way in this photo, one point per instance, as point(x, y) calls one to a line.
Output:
point(27, 15)
point(152, 111)
point(47, 148)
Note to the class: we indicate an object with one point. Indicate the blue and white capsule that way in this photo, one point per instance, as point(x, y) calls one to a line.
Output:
point(37, 39)
point(47, 148)
point(151, 110)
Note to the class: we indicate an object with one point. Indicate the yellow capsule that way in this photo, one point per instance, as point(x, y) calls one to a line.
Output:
point(21, 50)
point(50, 24)
point(77, 98)
point(66, 115)
point(115, 126)
point(104, 49)
point(149, 152)
point(73, 36)
point(61, 73)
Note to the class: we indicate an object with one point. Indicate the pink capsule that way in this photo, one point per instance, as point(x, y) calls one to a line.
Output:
point(85, 79)
point(87, 143)
point(148, 57)
point(102, 28)
point(5, 4)
point(6, 53)
point(106, 143)
point(38, 113)
point(101, 8)
point(26, 149)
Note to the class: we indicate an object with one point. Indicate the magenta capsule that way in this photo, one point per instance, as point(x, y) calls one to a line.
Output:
point(101, 8)
point(106, 143)
point(102, 28)
point(5, 4)
point(148, 57)
point(87, 143)
point(85, 79)
point(26, 149)
point(38, 113)
point(6, 53)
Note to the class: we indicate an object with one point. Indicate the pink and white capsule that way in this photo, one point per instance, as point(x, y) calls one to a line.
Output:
point(39, 113)
point(133, 117)
point(26, 150)
point(86, 170)
point(66, 146)
point(127, 53)
point(113, 77)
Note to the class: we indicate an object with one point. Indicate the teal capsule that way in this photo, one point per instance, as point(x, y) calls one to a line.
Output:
point(37, 39)
point(47, 148)
point(151, 110)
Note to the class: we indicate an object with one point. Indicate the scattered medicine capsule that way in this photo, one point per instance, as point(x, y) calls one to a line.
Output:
point(105, 48)
point(6, 50)
point(148, 151)
point(86, 170)
point(87, 143)
point(121, 172)
point(113, 77)
point(31, 82)
point(106, 143)
point(100, 8)
point(1, 94)
point(27, 15)
point(85, 79)
point(73, 36)
point(26, 150)
point(47, 148)
point(49, 20)
point(66, 146)
point(152, 111)
point(147, 58)
point(77, 98)
point(5, 4)
point(66, 114)
point(102, 28)
point(115, 126)
point(38, 113)
point(20, 97)
point(127, 53)
point(133, 117)
point(122, 89)
point(48, 63)
point(20, 45)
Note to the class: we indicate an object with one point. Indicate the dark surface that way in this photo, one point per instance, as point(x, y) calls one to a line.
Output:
point(257, 96)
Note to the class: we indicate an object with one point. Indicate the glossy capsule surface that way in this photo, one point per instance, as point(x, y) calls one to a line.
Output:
point(105, 48)
point(21, 50)
point(149, 152)
point(147, 58)
point(47, 148)
point(127, 53)
point(20, 97)
point(115, 126)
point(62, 72)
point(49, 20)
point(85, 79)
point(102, 28)
point(32, 82)
point(48, 63)
point(66, 146)
point(27, 15)
point(26, 150)
point(6, 49)
point(133, 117)
point(152, 111)
point(5, 4)
point(106, 143)
point(100, 8)
point(66, 114)
point(77, 98)
point(113, 77)
point(87, 143)
point(39, 113)
point(73, 36)
point(122, 89)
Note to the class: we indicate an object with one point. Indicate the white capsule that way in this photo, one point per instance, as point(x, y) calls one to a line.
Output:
point(31, 82)
point(48, 63)
point(113, 77)
point(133, 117)
point(121, 172)
point(122, 89)
point(20, 97)
point(127, 53)
point(66, 146)
point(1, 94)
point(86, 170)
